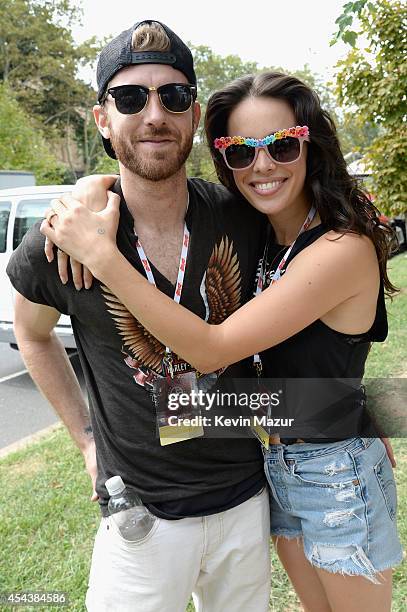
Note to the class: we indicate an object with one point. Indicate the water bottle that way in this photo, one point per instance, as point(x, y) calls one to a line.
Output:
point(132, 518)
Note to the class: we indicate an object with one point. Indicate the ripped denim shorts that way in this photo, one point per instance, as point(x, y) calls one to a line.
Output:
point(341, 499)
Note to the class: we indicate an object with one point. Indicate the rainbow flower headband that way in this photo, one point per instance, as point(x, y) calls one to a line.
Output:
point(226, 141)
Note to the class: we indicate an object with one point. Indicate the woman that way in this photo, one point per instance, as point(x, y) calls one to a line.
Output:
point(323, 277)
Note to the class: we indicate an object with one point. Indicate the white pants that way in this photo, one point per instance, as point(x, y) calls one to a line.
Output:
point(223, 560)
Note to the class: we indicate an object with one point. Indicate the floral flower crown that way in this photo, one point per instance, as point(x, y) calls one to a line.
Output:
point(295, 132)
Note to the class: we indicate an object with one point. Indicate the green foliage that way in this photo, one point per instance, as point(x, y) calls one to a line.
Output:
point(345, 20)
point(355, 134)
point(106, 165)
point(214, 70)
point(22, 144)
point(387, 159)
point(39, 58)
point(39, 61)
point(373, 82)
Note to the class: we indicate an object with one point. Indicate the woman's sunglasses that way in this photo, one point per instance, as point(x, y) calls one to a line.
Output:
point(132, 99)
point(283, 147)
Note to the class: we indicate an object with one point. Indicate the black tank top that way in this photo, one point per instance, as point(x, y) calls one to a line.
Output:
point(323, 404)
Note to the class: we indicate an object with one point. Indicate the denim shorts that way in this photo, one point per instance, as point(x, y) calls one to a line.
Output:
point(341, 499)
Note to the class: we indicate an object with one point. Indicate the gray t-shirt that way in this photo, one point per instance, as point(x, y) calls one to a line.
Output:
point(195, 477)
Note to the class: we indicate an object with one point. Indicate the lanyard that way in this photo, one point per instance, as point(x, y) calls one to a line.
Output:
point(180, 277)
point(277, 274)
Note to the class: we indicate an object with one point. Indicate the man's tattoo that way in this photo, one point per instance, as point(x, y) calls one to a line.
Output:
point(101, 230)
point(88, 430)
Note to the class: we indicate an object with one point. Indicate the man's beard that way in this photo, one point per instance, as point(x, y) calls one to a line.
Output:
point(158, 165)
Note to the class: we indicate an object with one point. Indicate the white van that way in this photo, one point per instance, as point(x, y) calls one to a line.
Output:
point(20, 208)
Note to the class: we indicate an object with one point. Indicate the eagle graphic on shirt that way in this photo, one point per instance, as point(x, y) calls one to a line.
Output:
point(220, 290)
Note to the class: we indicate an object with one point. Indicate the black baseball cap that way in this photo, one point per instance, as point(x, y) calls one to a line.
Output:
point(119, 53)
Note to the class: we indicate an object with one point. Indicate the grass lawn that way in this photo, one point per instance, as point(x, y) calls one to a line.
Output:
point(389, 358)
point(47, 522)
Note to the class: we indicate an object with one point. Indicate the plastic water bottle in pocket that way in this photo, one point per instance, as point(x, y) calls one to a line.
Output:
point(133, 519)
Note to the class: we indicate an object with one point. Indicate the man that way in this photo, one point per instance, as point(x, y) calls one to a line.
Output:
point(199, 245)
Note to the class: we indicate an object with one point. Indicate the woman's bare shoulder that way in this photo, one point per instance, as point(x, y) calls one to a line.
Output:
point(348, 244)
point(339, 251)
point(347, 237)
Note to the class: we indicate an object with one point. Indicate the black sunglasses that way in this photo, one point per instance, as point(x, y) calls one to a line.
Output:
point(132, 99)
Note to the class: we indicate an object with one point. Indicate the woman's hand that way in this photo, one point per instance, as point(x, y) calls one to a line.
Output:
point(389, 451)
point(91, 191)
point(85, 236)
point(81, 276)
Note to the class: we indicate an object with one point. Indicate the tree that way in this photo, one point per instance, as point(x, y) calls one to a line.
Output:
point(372, 81)
point(39, 60)
point(22, 144)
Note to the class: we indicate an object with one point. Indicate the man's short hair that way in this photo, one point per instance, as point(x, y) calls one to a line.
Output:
point(150, 36)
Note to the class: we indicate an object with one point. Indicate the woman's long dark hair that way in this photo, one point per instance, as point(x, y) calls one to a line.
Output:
point(341, 203)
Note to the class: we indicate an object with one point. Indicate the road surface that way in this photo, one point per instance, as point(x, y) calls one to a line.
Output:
point(23, 410)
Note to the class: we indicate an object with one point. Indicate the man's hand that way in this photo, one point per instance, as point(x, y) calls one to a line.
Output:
point(86, 236)
point(51, 370)
point(89, 456)
point(91, 191)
